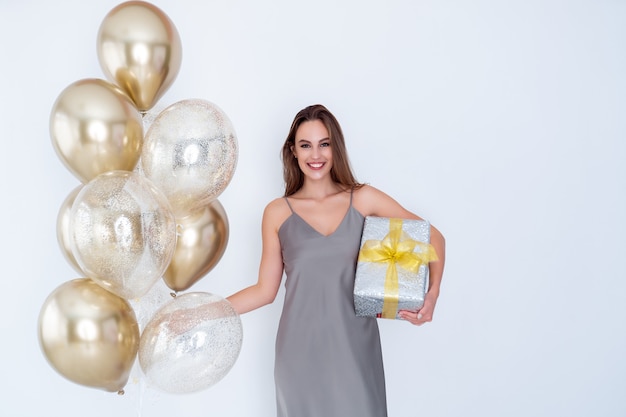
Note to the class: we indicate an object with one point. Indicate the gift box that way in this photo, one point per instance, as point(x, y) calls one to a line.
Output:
point(392, 268)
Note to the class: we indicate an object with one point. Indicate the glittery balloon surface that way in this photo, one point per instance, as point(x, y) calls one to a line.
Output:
point(122, 232)
point(190, 152)
point(191, 343)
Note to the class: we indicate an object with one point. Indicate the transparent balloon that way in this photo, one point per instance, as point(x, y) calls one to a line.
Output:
point(122, 232)
point(191, 343)
point(89, 335)
point(191, 152)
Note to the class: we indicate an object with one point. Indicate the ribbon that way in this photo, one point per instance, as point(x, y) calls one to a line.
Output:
point(396, 249)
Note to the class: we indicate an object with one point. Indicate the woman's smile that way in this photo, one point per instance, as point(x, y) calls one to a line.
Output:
point(316, 165)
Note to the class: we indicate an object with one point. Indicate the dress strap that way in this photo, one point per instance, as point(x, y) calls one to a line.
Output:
point(351, 192)
point(287, 200)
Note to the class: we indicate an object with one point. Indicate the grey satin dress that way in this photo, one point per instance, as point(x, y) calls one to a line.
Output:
point(328, 360)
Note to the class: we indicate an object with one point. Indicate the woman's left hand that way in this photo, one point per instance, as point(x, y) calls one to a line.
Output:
point(423, 315)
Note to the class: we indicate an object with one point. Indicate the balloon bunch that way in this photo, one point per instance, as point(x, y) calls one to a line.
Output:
point(146, 209)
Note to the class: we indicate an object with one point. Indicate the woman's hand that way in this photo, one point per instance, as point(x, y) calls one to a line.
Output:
point(423, 315)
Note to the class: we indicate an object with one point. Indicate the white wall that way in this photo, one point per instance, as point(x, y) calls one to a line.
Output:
point(503, 122)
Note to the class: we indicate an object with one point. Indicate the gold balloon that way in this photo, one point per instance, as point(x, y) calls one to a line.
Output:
point(89, 335)
point(201, 242)
point(96, 128)
point(63, 229)
point(140, 50)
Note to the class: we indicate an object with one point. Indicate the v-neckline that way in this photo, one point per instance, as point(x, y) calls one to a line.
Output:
point(294, 213)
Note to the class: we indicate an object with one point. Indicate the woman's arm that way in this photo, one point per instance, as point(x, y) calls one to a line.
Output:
point(271, 267)
point(373, 202)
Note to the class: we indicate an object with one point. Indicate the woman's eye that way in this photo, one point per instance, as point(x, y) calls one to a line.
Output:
point(305, 145)
point(325, 145)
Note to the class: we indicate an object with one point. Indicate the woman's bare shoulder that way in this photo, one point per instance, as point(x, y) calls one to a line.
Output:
point(367, 191)
point(371, 201)
point(365, 198)
point(276, 212)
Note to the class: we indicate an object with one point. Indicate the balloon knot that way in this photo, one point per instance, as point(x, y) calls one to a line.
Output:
point(120, 392)
point(173, 294)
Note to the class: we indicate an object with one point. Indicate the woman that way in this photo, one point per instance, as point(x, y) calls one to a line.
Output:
point(328, 360)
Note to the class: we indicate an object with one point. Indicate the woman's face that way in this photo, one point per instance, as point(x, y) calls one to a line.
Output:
point(313, 149)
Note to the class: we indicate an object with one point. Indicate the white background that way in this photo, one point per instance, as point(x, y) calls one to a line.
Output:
point(502, 122)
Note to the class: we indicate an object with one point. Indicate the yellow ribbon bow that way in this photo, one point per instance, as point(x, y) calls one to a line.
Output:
point(396, 248)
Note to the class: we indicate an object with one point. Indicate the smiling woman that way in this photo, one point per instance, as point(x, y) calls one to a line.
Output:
point(476, 115)
point(328, 360)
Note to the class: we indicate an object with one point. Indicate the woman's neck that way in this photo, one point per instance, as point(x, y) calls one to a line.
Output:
point(318, 190)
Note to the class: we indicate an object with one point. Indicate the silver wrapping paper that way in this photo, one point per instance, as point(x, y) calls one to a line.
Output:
point(369, 284)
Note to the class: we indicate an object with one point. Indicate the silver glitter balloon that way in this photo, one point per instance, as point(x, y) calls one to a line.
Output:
point(122, 232)
point(190, 152)
point(191, 343)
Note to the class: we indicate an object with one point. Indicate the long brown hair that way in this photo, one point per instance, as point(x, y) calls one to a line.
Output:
point(340, 172)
